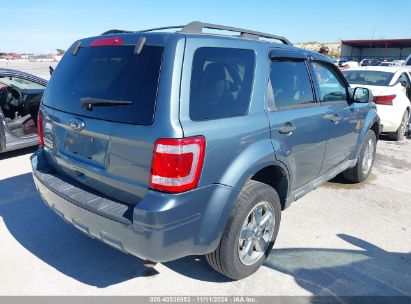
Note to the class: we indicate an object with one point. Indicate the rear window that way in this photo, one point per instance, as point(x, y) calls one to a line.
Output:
point(366, 77)
point(221, 83)
point(109, 73)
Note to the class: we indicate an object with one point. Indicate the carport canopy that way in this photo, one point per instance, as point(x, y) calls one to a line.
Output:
point(381, 43)
point(372, 48)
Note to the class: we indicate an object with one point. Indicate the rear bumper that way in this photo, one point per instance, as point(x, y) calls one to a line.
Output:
point(163, 227)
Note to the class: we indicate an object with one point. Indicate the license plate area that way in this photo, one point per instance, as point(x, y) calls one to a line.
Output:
point(85, 146)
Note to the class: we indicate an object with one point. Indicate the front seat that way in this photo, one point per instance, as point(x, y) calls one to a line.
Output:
point(32, 107)
point(213, 83)
point(215, 97)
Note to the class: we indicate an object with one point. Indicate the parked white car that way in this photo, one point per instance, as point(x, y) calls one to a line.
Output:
point(399, 62)
point(391, 88)
point(349, 65)
point(387, 63)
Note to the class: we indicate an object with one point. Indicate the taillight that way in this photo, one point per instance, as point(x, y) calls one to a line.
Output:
point(40, 130)
point(384, 100)
point(177, 163)
point(107, 41)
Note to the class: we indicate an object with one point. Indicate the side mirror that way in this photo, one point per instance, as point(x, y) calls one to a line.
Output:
point(362, 95)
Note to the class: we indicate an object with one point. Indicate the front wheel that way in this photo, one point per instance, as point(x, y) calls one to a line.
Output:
point(250, 232)
point(365, 161)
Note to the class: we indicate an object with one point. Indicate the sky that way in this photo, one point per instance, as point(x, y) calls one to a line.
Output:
point(42, 26)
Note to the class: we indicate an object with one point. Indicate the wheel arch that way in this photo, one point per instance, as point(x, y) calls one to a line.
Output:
point(258, 163)
point(376, 128)
point(275, 176)
point(371, 122)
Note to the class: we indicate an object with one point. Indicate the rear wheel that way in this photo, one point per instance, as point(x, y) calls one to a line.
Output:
point(402, 129)
point(250, 232)
point(365, 160)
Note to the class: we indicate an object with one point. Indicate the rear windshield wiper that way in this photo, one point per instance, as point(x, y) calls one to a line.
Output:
point(89, 102)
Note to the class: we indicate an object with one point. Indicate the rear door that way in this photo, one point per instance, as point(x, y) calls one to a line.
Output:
point(298, 130)
point(104, 145)
point(344, 118)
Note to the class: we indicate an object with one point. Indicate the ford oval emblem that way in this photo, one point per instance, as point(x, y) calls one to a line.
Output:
point(76, 124)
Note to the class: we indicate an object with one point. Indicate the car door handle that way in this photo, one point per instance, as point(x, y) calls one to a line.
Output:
point(333, 118)
point(287, 128)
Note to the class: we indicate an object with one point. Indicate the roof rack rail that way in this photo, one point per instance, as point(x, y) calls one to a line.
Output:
point(197, 27)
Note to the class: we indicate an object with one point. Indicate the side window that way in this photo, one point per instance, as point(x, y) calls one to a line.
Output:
point(404, 77)
point(221, 83)
point(330, 85)
point(289, 85)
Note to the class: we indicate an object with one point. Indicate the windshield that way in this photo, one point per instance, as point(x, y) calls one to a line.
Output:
point(108, 73)
point(366, 77)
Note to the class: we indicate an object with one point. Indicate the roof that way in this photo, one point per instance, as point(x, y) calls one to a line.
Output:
point(380, 43)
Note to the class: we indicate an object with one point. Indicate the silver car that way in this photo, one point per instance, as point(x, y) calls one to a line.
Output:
point(20, 96)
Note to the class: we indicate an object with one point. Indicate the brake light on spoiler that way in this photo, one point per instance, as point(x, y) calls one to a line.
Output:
point(177, 164)
point(107, 41)
point(384, 100)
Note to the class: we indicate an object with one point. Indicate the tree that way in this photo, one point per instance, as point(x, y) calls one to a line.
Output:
point(60, 51)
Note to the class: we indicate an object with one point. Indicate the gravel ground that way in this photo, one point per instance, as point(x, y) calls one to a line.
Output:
point(40, 69)
point(340, 239)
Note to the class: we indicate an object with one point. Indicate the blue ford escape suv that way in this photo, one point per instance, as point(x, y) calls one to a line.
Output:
point(168, 144)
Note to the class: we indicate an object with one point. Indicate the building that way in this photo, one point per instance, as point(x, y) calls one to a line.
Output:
point(391, 49)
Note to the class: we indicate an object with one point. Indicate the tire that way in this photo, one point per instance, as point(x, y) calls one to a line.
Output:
point(226, 258)
point(362, 169)
point(402, 129)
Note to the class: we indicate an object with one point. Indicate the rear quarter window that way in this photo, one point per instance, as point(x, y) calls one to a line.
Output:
point(221, 83)
point(110, 73)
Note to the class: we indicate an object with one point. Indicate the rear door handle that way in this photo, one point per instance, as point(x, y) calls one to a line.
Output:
point(333, 118)
point(287, 128)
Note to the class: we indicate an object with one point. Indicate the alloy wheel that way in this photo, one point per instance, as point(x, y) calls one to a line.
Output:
point(368, 156)
point(256, 233)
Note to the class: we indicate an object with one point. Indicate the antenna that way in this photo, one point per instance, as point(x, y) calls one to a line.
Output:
point(372, 41)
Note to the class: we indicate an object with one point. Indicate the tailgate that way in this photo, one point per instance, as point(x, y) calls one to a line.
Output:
point(115, 165)
point(105, 145)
